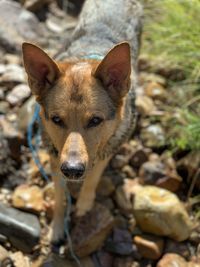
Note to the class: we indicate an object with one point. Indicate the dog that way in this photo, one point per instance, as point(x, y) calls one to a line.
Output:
point(86, 97)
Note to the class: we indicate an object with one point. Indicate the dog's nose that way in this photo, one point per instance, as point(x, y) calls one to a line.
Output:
point(73, 170)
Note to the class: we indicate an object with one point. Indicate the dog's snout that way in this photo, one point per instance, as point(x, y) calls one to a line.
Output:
point(72, 169)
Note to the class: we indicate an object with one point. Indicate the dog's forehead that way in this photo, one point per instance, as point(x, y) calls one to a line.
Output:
point(77, 84)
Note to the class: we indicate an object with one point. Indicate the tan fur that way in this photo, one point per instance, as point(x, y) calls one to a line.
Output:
point(75, 91)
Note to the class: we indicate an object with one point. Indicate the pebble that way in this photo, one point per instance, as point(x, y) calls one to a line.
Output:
point(159, 211)
point(18, 94)
point(139, 157)
point(171, 260)
point(180, 248)
point(104, 258)
point(121, 243)
point(29, 198)
point(145, 105)
point(18, 25)
point(153, 136)
point(129, 171)
point(25, 114)
point(149, 246)
point(13, 74)
point(161, 174)
point(91, 230)
point(146, 77)
point(4, 107)
point(24, 229)
point(20, 260)
point(155, 91)
point(3, 254)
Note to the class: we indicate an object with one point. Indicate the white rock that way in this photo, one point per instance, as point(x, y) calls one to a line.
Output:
point(160, 212)
point(18, 94)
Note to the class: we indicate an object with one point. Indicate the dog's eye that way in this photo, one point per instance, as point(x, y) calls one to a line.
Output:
point(57, 120)
point(94, 121)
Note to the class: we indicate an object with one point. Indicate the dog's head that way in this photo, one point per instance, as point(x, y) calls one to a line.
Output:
point(81, 102)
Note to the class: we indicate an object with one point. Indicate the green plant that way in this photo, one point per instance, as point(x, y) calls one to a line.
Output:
point(171, 41)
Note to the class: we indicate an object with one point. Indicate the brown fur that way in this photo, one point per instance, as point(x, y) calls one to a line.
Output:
point(75, 90)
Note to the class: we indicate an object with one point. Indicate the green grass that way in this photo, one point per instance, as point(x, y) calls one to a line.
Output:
point(172, 34)
point(171, 39)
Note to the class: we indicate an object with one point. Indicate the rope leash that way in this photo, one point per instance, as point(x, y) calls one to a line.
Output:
point(34, 150)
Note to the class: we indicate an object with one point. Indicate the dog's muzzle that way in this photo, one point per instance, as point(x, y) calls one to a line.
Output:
point(72, 170)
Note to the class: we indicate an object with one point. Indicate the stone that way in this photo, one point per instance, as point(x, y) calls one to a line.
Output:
point(106, 186)
point(151, 171)
point(121, 243)
point(13, 137)
point(28, 198)
point(129, 171)
point(153, 136)
point(171, 260)
point(4, 107)
point(149, 246)
point(4, 255)
point(13, 74)
point(139, 157)
point(145, 105)
point(104, 258)
point(21, 229)
point(119, 161)
point(122, 157)
point(18, 25)
point(12, 59)
point(25, 114)
point(155, 91)
point(146, 78)
point(91, 230)
point(44, 160)
point(188, 167)
point(180, 248)
point(156, 172)
point(2, 93)
point(20, 260)
point(152, 208)
point(123, 195)
point(18, 94)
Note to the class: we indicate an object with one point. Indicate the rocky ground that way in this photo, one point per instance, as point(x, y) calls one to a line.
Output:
point(146, 212)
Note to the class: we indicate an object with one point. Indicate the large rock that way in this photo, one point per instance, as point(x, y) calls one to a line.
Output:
point(28, 198)
point(160, 212)
point(21, 229)
point(91, 230)
point(17, 25)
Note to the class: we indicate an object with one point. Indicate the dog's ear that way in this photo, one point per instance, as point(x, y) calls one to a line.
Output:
point(114, 71)
point(41, 69)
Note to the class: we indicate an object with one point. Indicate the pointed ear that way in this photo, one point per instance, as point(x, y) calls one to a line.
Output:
point(114, 71)
point(41, 69)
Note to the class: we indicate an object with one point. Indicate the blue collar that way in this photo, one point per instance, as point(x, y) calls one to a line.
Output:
point(94, 56)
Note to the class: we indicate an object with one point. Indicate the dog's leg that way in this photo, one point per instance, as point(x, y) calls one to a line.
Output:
point(59, 209)
point(88, 191)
